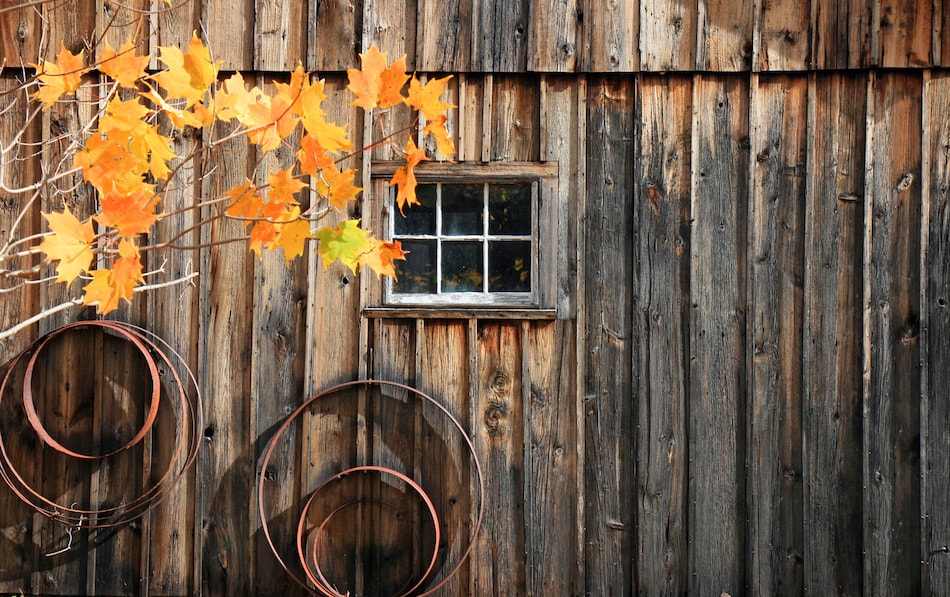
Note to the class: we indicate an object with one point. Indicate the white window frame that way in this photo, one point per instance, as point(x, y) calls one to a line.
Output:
point(543, 178)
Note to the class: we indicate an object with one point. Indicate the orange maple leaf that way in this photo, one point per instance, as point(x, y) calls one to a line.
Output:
point(443, 139)
point(292, 237)
point(269, 121)
point(108, 286)
point(380, 255)
point(283, 186)
point(312, 156)
point(60, 77)
point(425, 98)
point(70, 244)
point(124, 67)
point(376, 85)
point(130, 214)
point(189, 75)
point(405, 177)
point(263, 235)
point(247, 203)
point(337, 186)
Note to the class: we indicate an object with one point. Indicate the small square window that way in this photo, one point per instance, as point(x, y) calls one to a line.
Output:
point(470, 243)
point(481, 236)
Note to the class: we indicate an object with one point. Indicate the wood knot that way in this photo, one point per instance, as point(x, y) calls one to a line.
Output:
point(494, 416)
point(501, 384)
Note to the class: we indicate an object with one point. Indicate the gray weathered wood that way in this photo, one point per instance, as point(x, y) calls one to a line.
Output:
point(555, 34)
point(717, 278)
point(667, 36)
point(724, 35)
point(782, 35)
point(842, 34)
point(892, 272)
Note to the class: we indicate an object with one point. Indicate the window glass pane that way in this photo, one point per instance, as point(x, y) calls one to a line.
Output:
point(462, 209)
point(509, 209)
point(417, 273)
point(462, 268)
point(509, 264)
point(417, 219)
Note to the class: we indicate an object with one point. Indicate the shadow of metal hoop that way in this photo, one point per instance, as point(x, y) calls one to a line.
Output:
point(313, 573)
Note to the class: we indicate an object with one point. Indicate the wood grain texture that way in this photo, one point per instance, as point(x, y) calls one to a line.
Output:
point(775, 296)
point(892, 271)
point(718, 383)
point(117, 23)
point(832, 352)
point(935, 415)
point(906, 33)
point(20, 32)
point(334, 33)
point(941, 34)
point(70, 23)
point(661, 320)
point(228, 27)
point(607, 342)
point(724, 35)
point(500, 39)
point(782, 36)
point(611, 31)
point(842, 34)
point(225, 464)
point(551, 463)
point(515, 119)
point(667, 35)
point(444, 35)
point(280, 35)
point(555, 33)
point(392, 27)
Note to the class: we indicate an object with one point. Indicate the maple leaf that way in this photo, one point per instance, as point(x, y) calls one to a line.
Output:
point(124, 67)
point(337, 186)
point(198, 116)
point(130, 214)
point(292, 238)
point(247, 203)
point(110, 167)
point(233, 100)
point(425, 98)
point(269, 121)
point(312, 156)
point(108, 286)
point(189, 75)
point(347, 242)
point(376, 85)
point(283, 186)
point(380, 255)
point(60, 77)
point(443, 139)
point(263, 235)
point(70, 244)
point(405, 177)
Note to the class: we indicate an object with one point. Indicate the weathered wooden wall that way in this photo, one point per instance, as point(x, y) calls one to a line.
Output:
point(750, 390)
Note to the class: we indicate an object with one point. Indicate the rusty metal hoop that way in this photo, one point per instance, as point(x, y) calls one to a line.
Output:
point(273, 441)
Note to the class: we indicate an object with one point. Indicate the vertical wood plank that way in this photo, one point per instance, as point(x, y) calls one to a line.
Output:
point(515, 118)
point(906, 33)
point(608, 389)
point(832, 353)
point(444, 35)
point(783, 36)
point(334, 34)
point(842, 34)
point(20, 32)
point(892, 436)
point(935, 419)
point(661, 317)
point(550, 459)
point(443, 461)
point(556, 30)
point(280, 35)
point(498, 561)
point(941, 33)
point(392, 27)
point(776, 237)
point(173, 316)
point(667, 35)
point(724, 35)
point(277, 372)
point(471, 116)
point(169, 27)
point(611, 30)
point(717, 334)
point(117, 23)
point(228, 29)
point(500, 40)
point(72, 22)
point(225, 465)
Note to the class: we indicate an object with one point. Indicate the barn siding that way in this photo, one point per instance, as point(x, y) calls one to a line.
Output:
point(746, 390)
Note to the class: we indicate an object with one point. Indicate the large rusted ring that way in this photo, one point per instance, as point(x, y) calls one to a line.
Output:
point(190, 415)
point(316, 575)
point(272, 443)
point(30, 407)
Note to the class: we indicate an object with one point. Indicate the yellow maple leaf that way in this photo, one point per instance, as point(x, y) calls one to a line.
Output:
point(283, 186)
point(60, 77)
point(124, 67)
point(380, 255)
point(189, 75)
point(375, 84)
point(130, 214)
point(233, 99)
point(337, 186)
point(425, 98)
point(443, 139)
point(405, 177)
point(70, 243)
point(292, 238)
point(269, 120)
point(108, 286)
